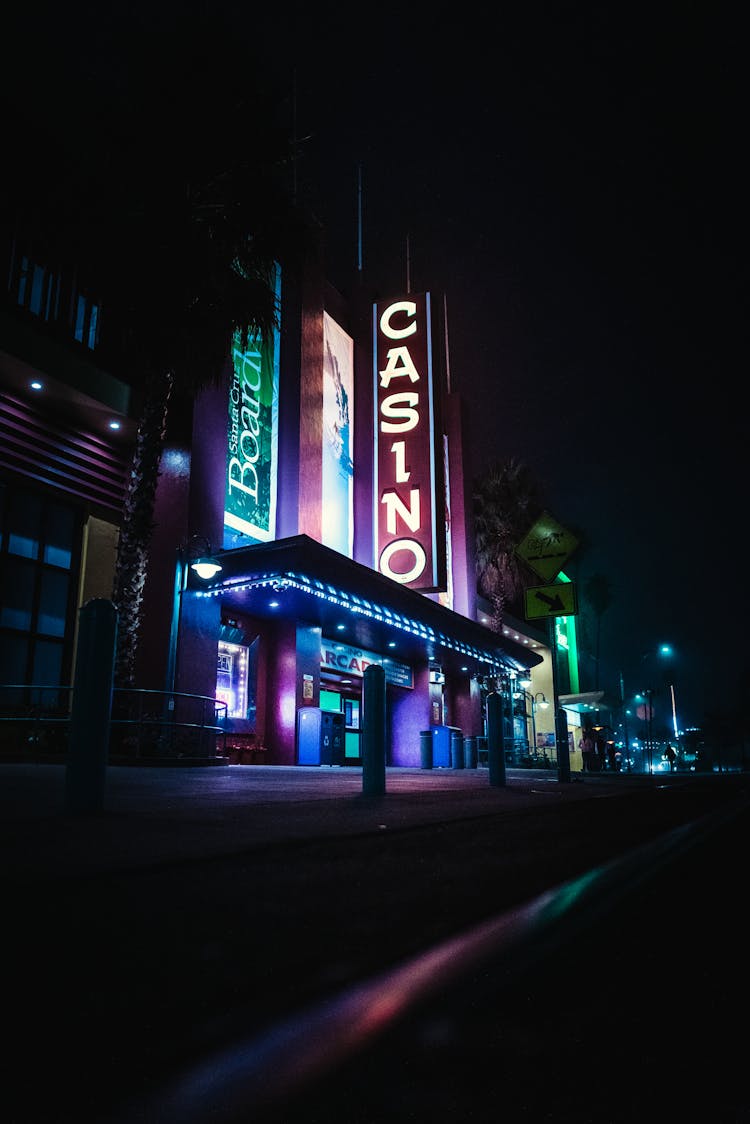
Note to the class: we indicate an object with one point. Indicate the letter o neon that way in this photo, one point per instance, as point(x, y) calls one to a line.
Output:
point(403, 544)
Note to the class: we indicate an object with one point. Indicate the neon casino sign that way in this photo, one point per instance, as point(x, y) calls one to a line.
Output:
point(407, 544)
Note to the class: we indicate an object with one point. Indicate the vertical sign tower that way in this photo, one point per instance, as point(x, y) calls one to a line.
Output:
point(409, 505)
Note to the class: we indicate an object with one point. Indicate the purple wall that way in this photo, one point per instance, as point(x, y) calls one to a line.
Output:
point(410, 714)
point(170, 529)
point(462, 521)
point(466, 707)
point(208, 471)
point(201, 616)
point(281, 694)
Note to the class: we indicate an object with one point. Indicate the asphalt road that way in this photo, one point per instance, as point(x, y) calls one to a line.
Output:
point(120, 980)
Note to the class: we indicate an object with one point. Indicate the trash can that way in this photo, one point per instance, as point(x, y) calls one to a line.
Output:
point(425, 749)
point(470, 752)
point(441, 747)
point(457, 748)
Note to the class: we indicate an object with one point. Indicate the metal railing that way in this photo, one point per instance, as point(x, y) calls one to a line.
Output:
point(144, 724)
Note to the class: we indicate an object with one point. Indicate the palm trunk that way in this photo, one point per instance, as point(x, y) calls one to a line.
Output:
point(137, 525)
point(498, 610)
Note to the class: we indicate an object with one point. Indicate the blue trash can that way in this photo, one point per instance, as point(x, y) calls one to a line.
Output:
point(441, 747)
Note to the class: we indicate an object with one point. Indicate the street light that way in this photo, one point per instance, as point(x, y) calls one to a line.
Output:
point(665, 651)
point(649, 693)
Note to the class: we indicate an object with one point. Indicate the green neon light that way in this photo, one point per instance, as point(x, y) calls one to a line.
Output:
point(566, 639)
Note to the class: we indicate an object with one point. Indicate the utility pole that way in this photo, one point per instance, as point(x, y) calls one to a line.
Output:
point(561, 718)
point(649, 693)
point(625, 721)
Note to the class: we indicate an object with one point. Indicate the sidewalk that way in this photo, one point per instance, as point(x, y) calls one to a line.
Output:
point(135, 963)
point(152, 814)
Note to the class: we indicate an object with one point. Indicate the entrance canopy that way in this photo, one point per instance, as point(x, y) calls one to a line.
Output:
point(590, 704)
point(300, 579)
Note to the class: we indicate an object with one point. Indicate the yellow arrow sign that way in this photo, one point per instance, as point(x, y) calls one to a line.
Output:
point(547, 547)
point(550, 601)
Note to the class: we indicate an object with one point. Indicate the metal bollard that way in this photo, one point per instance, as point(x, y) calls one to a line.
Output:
point(373, 731)
point(563, 752)
point(495, 740)
point(91, 710)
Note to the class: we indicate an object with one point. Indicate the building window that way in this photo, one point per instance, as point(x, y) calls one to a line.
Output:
point(39, 290)
point(231, 678)
point(86, 329)
point(39, 551)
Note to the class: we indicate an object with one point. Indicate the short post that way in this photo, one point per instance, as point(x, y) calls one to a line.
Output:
point(373, 731)
point(495, 740)
point(563, 746)
point(91, 709)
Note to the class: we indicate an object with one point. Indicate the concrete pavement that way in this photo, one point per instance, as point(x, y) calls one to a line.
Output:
point(167, 968)
point(159, 814)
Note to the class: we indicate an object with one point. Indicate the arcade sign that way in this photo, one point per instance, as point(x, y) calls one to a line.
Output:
point(409, 536)
point(342, 658)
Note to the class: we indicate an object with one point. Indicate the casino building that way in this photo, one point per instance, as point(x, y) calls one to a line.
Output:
point(328, 478)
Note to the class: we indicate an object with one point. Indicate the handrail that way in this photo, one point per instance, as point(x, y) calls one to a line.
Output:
point(166, 733)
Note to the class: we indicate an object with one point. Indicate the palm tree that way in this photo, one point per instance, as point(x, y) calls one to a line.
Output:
point(218, 224)
point(507, 502)
point(175, 199)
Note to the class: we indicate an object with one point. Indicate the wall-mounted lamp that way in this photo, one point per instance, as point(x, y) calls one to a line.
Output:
point(205, 567)
point(196, 554)
point(202, 560)
point(541, 696)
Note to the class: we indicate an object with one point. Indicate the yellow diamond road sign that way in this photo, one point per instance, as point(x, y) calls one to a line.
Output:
point(550, 601)
point(547, 547)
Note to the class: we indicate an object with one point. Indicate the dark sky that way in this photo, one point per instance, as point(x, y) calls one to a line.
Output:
point(569, 177)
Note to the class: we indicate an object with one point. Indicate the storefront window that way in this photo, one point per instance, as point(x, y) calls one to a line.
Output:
point(232, 678)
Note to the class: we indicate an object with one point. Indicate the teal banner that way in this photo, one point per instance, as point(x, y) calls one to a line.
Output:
point(252, 440)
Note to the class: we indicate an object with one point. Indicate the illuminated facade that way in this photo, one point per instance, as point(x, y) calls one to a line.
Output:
point(329, 473)
point(351, 563)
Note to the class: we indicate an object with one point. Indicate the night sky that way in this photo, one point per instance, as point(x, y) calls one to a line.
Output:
point(569, 177)
point(570, 180)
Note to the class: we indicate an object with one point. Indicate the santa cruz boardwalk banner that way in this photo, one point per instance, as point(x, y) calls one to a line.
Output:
point(409, 531)
point(252, 437)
